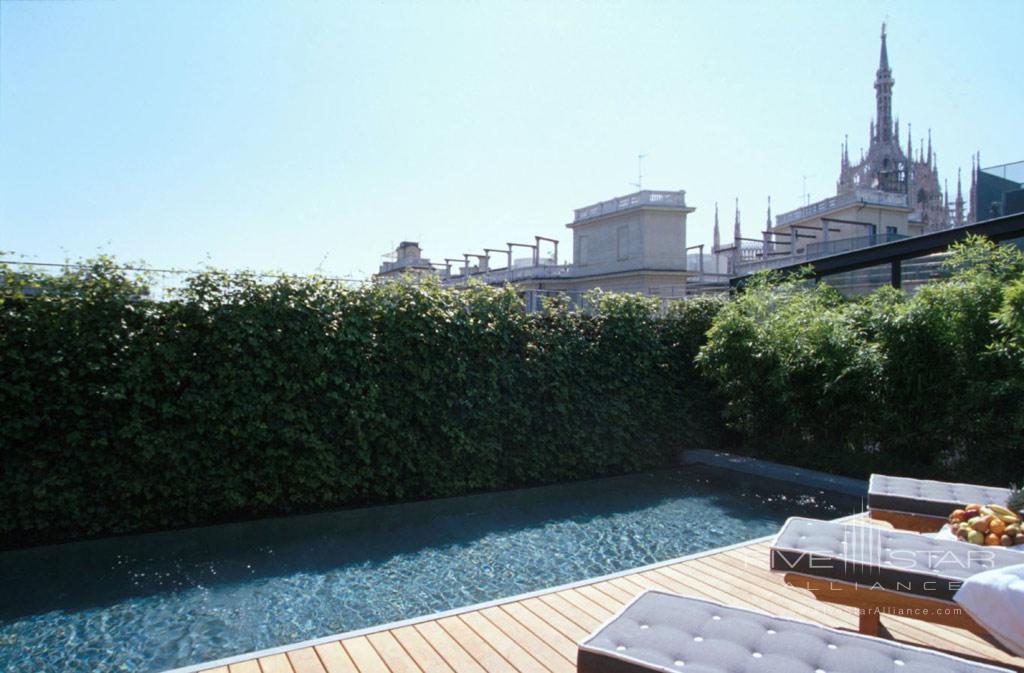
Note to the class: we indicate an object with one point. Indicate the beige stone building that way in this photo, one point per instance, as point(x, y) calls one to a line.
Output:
point(634, 243)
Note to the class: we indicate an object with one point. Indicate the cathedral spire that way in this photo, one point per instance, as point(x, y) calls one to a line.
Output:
point(972, 214)
point(716, 242)
point(929, 147)
point(910, 144)
point(959, 216)
point(736, 235)
point(883, 61)
point(883, 95)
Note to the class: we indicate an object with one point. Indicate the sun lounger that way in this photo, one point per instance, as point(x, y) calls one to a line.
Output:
point(882, 571)
point(922, 505)
point(665, 632)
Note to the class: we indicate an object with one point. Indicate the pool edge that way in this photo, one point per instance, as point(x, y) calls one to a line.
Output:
point(777, 471)
point(388, 626)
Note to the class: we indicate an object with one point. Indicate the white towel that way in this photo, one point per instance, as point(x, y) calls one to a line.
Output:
point(995, 598)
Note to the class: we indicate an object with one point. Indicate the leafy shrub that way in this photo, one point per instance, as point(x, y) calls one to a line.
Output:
point(930, 385)
point(794, 369)
point(240, 398)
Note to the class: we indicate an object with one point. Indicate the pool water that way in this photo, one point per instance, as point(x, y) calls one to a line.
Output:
point(159, 601)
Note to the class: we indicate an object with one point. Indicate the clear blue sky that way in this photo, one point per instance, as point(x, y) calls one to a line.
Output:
point(297, 135)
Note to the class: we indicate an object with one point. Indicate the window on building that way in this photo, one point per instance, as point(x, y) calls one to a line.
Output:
point(890, 230)
point(623, 242)
point(582, 253)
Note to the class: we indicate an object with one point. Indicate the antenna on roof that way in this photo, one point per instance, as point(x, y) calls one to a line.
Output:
point(639, 184)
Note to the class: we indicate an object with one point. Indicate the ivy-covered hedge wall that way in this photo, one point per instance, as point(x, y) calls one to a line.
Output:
point(241, 398)
point(930, 385)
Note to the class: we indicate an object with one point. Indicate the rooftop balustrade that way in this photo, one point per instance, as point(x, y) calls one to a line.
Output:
point(864, 196)
point(646, 197)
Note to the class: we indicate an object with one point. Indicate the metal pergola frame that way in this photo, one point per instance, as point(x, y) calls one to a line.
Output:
point(894, 253)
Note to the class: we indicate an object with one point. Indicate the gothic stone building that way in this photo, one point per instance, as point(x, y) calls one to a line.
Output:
point(888, 168)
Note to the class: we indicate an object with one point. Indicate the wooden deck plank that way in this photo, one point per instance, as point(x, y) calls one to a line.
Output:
point(509, 649)
point(305, 660)
point(425, 656)
point(448, 649)
point(606, 601)
point(335, 659)
point(488, 658)
point(537, 647)
point(558, 603)
point(613, 590)
point(552, 637)
point(276, 663)
point(219, 669)
point(554, 619)
point(539, 634)
point(364, 656)
point(391, 651)
point(584, 603)
point(759, 597)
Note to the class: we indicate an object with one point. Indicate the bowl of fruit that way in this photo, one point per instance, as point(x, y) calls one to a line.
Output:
point(989, 525)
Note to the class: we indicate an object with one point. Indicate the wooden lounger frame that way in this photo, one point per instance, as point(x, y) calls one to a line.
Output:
point(917, 523)
point(873, 602)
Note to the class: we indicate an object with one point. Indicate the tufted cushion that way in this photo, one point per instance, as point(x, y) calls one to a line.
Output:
point(930, 498)
point(881, 558)
point(664, 632)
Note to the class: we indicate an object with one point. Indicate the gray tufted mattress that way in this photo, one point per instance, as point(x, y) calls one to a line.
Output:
point(928, 498)
point(882, 559)
point(665, 632)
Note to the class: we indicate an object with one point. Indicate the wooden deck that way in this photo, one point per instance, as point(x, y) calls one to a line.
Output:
point(540, 633)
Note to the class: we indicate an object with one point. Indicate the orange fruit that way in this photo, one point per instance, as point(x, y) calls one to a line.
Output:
point(991, 539)
point(997, 526)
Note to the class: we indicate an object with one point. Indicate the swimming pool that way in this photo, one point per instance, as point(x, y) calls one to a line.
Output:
point(159, 601)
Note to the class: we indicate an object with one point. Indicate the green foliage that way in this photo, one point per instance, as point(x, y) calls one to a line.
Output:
point(792, 364)
point(240, 398)
point(1015, 503)
point(930, 385)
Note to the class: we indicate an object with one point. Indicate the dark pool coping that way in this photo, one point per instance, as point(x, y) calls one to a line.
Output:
point(778, 471)
point(719, 459)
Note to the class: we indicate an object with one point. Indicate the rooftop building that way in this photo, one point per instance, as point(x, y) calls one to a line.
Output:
point(632, 243)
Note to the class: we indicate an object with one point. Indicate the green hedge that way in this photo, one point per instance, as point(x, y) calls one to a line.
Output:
point(241, 399)
point(930, 386)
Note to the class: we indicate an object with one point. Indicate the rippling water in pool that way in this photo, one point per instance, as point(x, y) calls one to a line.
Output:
point(153, 602)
